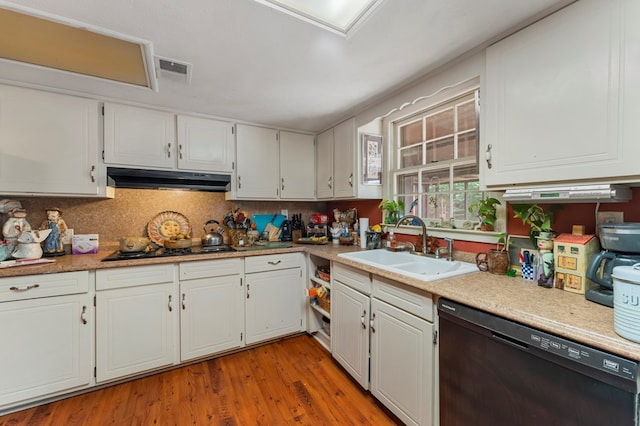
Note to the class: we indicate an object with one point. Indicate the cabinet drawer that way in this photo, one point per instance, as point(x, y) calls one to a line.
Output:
point(34, 286)
point(134, 276)
point(403, 297)
point(352, 277)
point(272, 262)
point(210, 268)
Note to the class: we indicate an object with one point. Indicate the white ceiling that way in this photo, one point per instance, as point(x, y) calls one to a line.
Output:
point(252, 63)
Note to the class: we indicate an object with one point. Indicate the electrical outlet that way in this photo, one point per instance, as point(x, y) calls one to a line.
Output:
point(610, 217)
point(285, 213)
point(68, 236)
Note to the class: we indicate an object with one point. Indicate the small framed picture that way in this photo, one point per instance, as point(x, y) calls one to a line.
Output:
point(372, 159)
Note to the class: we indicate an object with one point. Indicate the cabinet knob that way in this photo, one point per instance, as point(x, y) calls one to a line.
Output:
point(487, 156)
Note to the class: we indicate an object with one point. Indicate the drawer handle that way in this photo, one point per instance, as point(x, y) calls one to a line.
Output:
point(18, 289)
point(83, 315)
point(274, 263)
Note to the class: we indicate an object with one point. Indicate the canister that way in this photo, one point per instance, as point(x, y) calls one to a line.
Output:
point(626, 301)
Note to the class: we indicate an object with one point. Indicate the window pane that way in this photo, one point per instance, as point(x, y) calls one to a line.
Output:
point(411, 133)
point(410, 157)
point(440, 124)
point(440, 150)
point(408, 184)
point(467, 116)
point(467, 145)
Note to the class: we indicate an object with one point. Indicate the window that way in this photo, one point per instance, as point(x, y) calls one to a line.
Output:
point(436, 160)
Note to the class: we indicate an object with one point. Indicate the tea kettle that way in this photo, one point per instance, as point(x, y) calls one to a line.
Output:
point(28, 246)
point(212, 237)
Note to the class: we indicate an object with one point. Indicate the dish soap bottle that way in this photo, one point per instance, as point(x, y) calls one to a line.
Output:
point(391, 240)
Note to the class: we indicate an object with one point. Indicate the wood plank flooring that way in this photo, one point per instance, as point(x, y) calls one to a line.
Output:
point(293, 381)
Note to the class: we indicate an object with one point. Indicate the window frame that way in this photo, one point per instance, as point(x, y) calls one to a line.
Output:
point(412, 110)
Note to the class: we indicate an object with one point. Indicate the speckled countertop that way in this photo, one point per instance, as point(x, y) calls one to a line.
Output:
point(552, 310)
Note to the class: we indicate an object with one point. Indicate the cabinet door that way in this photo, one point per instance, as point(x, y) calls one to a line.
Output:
point(48, 143)
point(350, 331)
point(273, 304)
point(205, 145)
point(139, 137)
point(550, 102)
point(211, 316)
point(344, 165)
point(297, 166)
point(324, 165)
point(47, 346)
point(257, 162)
point(631, 85)
point(135, 329)
point(402, 363)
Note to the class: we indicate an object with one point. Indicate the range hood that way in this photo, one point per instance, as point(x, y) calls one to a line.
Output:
point(119, 177)
point(604, 193)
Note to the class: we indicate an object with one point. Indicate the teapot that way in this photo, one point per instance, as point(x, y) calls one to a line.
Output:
point(28, 246)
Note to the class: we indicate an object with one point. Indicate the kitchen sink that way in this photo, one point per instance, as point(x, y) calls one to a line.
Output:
point(420, 267)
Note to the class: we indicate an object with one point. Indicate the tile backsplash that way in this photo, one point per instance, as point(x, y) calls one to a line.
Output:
point(130, 211)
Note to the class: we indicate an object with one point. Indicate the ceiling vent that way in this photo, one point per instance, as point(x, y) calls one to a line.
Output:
point(172, 69)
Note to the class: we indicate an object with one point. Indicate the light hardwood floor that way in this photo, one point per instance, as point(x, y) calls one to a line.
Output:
point(293, 381)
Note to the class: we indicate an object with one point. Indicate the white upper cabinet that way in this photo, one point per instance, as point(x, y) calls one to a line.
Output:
point(205, 145)
point(49, 144)
point(257, 170)
point(551, 98)
point(297, 166)
point(344, 164)
point(324, 165)
point(140, 137)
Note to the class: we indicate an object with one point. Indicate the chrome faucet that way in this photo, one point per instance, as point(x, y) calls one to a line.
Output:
point(424, 229)
point(449, 249)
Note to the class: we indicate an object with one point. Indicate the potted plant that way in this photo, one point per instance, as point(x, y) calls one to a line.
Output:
point(496, 260)
point(485, 210)
point(537, 218)
point(394, 209)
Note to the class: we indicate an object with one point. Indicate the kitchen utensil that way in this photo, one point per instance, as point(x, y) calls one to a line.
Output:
point(168, 224)
point(626, 298)
point(134, 244)
point(212, 237)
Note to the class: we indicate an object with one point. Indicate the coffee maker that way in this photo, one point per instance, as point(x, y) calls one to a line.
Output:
point(621, 244)
point(287, 231)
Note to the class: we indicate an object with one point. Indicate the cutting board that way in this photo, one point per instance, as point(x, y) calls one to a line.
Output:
point(261, 220)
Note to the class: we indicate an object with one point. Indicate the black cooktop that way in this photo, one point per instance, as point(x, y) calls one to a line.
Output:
point(164, 252)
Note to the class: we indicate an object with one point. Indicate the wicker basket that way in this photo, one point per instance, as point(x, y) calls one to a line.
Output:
point(323, 272)
point(324, 301)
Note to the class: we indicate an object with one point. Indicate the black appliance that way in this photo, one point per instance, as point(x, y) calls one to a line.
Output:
point(121, 177)
point(287, 231)
point(164, 252)
point(495, 371)
point(621, 242)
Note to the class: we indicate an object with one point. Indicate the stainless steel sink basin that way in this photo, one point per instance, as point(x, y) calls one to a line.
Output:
point(419, 267)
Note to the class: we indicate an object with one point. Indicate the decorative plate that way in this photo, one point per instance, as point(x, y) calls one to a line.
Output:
point(166, 225)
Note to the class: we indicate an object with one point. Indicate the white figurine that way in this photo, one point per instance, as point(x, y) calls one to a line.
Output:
point(14, 226)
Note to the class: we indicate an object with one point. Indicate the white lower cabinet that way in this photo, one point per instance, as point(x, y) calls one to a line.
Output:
point(274, 296)
point(211, 307)
point(46, 333)
point(350, 331)
point(137, 320)
point(382, 333)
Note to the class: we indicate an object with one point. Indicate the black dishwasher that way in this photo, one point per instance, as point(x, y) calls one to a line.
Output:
point(494, 371)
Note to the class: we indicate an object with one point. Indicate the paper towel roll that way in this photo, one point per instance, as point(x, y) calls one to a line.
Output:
point(364, 225)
